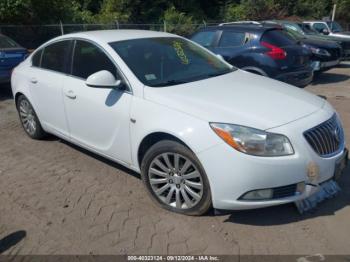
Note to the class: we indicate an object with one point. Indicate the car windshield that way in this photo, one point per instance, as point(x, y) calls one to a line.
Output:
point(6, 42)
point(335, 27)
point(295, 34)
point(296, 28)
point(167, 61)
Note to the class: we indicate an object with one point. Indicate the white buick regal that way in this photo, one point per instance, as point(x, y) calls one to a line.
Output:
point(201, 133)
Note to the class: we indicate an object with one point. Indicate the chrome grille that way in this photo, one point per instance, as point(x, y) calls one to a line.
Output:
point(326, 139)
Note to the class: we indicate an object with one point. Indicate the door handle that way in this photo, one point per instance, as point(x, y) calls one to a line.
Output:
point(70, 94)
point(34, 80)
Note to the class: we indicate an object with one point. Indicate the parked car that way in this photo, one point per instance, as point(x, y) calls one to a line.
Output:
point(325, 53)
point(11, 54)
point(344, 42)
point(263, 50)
point(331, 28)
point(201, 132)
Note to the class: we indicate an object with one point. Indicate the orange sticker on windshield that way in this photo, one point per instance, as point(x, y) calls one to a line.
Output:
point(180, 53)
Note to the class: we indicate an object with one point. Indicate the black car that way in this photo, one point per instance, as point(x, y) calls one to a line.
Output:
point(325, 53)
point(309, 31)
point(265, 50)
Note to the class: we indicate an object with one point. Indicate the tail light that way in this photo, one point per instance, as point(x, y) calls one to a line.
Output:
point(275, 52)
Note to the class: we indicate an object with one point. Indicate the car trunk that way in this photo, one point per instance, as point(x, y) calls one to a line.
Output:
point(11, 57)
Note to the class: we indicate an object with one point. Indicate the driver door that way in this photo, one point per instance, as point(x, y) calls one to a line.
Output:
point(98, 118)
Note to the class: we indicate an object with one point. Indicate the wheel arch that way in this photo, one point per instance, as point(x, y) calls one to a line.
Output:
point(17, 95)
point(149, 140)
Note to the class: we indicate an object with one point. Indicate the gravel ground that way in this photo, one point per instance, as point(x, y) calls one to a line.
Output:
point(56, 198)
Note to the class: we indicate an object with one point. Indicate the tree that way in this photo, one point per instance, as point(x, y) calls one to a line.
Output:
point(178, 22)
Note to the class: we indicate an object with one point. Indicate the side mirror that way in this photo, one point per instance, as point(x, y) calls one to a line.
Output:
point(103, 79)
point(325, 31)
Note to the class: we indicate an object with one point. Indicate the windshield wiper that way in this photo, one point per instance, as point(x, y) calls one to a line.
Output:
point(219, 73)
point(169, 83)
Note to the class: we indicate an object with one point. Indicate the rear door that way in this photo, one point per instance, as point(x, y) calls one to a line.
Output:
point(232, 46)
point(296, 55)
point(46, 75)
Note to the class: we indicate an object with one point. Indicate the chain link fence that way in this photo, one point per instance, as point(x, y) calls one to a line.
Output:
point(32, 36)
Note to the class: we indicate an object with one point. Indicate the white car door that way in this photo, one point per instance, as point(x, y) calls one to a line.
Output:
point(98, 118)
point(46, 76)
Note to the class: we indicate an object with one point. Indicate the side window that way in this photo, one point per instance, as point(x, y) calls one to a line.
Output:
point(205, 38)
point(319, 27)
point(89, 59)
point(232, 39)
point(36, 60)
point(54, 55)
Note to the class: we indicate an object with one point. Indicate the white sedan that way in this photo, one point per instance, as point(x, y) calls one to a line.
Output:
point(201, 133)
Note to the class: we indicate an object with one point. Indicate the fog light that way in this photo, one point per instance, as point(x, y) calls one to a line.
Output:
point(261, 194)
point(300, 188)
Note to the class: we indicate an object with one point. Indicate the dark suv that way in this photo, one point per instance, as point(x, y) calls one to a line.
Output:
point(265, 50)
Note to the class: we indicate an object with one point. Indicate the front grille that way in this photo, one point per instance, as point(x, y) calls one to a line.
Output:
point(284, 191)
point(326, 139)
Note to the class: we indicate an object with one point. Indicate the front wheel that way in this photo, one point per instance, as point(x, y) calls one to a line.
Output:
point(175, 178)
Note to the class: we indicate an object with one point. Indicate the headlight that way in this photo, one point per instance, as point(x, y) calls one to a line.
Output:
point(253, 141)
point(318, 51)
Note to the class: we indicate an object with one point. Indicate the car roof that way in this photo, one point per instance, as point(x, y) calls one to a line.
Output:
point(244, 27)
point(116, 35)
point(315, 21)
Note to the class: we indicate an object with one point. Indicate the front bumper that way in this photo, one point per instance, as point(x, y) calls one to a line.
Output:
point(319, 65)
point(298, 78)
point(232, 174)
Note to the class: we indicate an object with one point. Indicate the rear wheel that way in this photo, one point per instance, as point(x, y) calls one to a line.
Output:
point(29, 119)
point(175, 178)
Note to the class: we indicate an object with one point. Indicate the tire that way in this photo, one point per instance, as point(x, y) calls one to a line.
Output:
point(182, 188)
point(29, 119)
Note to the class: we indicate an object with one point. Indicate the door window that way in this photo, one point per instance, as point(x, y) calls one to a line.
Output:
point(89, 59)
point(232, 39)
point(54, 56)
point(319, 27)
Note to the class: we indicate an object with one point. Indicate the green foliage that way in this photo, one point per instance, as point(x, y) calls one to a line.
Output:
point(174, 13)
point(114, 10)
point(178, 22)
point(255, 10)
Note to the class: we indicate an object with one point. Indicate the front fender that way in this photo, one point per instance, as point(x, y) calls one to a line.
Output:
point(150, 117)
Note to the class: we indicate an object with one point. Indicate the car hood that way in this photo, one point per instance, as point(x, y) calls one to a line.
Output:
point(238, 98)
point(342, 34)
point(320, 43)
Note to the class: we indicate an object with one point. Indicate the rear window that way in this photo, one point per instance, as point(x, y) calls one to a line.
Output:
point(278, 38)
point(6, 42)
point(205, 38)
point(36, 60)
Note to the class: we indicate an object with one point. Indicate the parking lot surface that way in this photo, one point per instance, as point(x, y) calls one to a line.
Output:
point(56, 198)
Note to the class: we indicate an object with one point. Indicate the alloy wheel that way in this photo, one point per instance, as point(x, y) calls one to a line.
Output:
point(27, 116)
point(175, 180)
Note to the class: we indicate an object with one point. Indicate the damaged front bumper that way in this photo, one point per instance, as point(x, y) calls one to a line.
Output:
point(317, 193)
